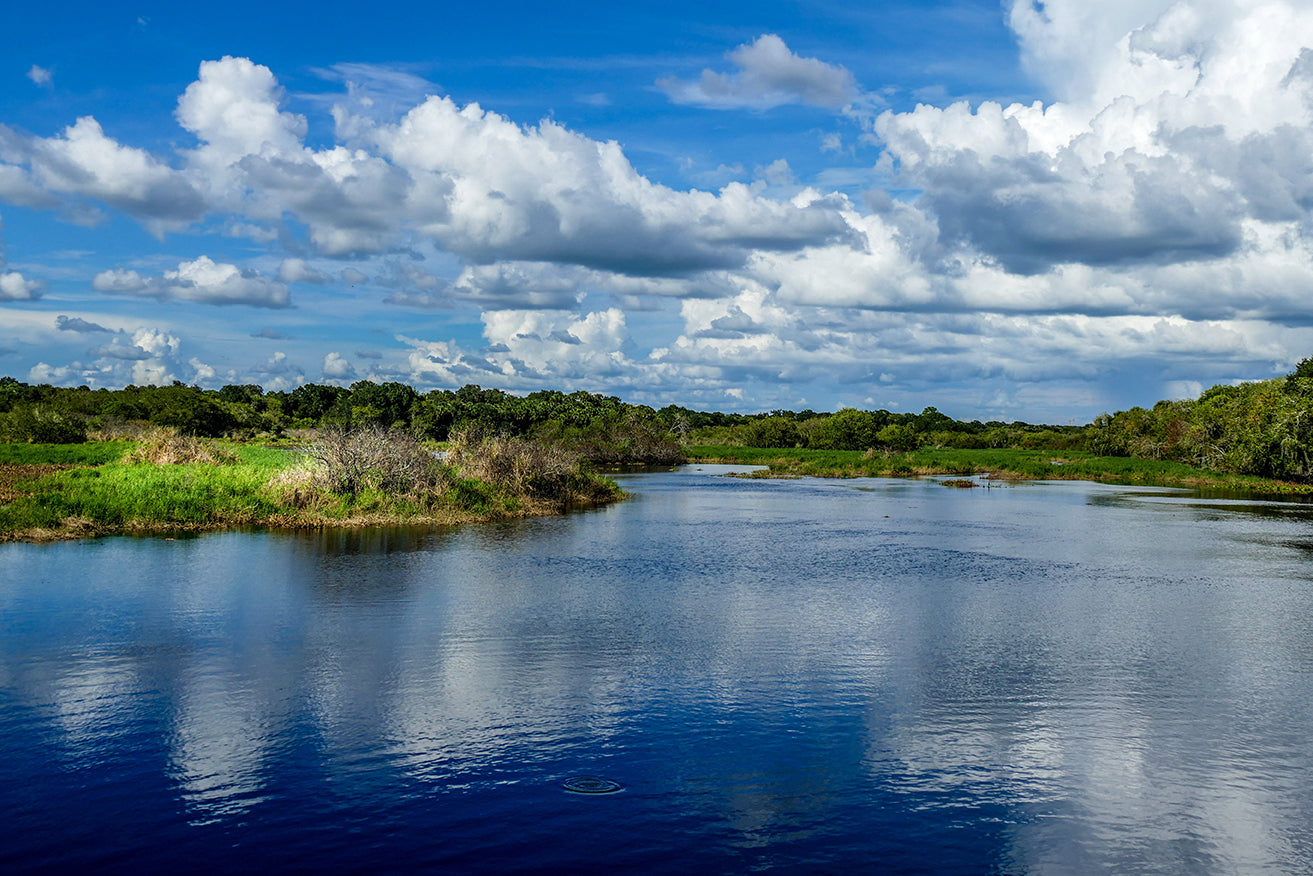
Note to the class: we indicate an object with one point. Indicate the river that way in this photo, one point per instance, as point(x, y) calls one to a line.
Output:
point(810, 675)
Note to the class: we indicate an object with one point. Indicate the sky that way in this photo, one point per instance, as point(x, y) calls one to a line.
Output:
point(1011, 210)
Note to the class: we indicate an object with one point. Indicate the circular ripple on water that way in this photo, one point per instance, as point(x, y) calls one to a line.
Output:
point(590, 785)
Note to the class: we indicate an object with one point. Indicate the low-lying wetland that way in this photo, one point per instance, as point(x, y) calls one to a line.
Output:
point(169, 483)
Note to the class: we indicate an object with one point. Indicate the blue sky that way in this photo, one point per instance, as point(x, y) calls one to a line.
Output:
point(1006, 210)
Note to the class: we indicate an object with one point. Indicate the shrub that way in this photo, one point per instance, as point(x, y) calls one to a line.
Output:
point(36, 424)
point(527, 469)
point(388, 460)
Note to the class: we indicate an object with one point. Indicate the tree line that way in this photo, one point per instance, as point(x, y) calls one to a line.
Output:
point(1263, 428)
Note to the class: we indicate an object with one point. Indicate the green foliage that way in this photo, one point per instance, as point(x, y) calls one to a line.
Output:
point(773, 431)
point(41, 424)
point(381, 404)
point(1263, 428)
point(849, 429)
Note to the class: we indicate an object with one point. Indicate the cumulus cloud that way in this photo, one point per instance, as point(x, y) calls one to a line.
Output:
point(1156, 209)
point(201, 280)
point(115, 350)
point(470, 181)
point(495, 191)
point(336, 367)
point(767, 75)
point(15, 287)
point(85, 163)
point(148, 356)
point(297, 271)
point(41, 76)
point(278, 372)
point(1180, 123)
point(530, 349)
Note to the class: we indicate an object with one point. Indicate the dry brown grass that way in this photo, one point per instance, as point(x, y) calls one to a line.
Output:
point(531, 470)
point(167, 447)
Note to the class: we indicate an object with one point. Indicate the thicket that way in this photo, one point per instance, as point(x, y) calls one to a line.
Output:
point(600, 428)
point(1263, 428)
point(883, 431)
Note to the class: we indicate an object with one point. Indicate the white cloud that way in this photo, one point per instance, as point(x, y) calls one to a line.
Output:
point(1179, 125)
point(297, 271)
point(201, 280)
point(336, 367)
point(85, 163)
point(489, 190)
point(149, 356)
point(233, 109)
point(1154, 216)
point(767, 75)
point(41, 76)
point(15, 287)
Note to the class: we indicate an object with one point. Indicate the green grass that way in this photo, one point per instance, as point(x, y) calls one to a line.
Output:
point(105, 495)
point(137, 496)
point(1026, 464)
point(91, 453)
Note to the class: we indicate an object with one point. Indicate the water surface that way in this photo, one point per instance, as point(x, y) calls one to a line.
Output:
point(812, 675)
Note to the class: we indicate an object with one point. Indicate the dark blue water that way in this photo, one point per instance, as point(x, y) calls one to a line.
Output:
point(808, 676)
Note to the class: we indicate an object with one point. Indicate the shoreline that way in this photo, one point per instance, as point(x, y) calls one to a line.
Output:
point(76, 529)
point(994, 465)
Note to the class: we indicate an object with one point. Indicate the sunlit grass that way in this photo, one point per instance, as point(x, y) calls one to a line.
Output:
point(262, 487)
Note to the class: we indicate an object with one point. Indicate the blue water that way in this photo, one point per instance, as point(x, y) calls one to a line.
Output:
point(808, 676)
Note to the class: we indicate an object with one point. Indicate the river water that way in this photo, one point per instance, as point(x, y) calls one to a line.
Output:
point(810, 676)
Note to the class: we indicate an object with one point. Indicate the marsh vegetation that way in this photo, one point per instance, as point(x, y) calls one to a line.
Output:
point(168, 481)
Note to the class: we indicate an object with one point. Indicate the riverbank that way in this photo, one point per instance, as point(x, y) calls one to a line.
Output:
point(54, 492)
point(1003, 464)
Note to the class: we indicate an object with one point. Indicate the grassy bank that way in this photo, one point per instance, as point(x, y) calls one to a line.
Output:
point(1003, 463)
point(168, 484)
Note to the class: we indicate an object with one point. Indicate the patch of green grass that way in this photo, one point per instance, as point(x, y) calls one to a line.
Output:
point(91, 453)
point(1005, 462)
point(125, 496)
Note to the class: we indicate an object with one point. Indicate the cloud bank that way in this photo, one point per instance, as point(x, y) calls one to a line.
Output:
point(1150, 223)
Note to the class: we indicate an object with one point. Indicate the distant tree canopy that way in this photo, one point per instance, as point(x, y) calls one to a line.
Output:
point(1263, 428)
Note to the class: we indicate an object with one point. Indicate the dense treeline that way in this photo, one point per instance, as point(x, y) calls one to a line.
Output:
point(603, 428)
point(1263, 428)
point(853, 429)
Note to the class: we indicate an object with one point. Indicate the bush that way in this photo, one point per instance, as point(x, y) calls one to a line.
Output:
point(35, 424)
point(388, 460)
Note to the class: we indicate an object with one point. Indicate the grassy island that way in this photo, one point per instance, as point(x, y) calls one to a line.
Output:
point(167, 482)
point(1003, 463)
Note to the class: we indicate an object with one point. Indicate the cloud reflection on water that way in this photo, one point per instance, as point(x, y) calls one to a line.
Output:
point(770, 665)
